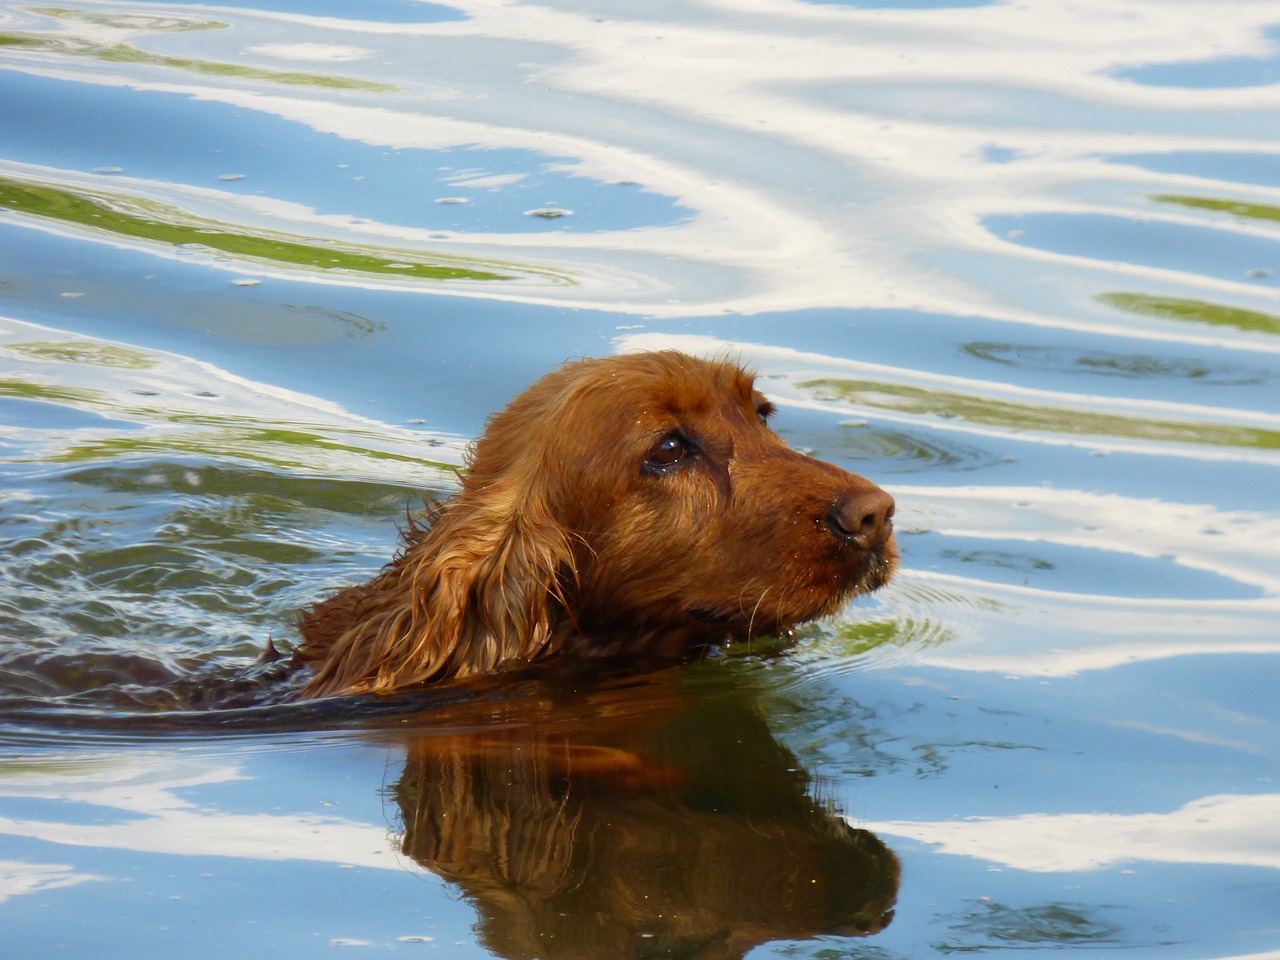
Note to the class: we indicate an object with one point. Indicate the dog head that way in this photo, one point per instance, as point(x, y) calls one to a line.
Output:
point(636, 506)
point(686, 517)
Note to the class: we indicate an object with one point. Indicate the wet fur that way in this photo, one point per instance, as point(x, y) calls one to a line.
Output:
point(570, 536)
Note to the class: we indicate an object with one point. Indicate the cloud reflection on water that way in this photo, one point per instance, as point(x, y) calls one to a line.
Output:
point(761, 171)
point(1242, 830)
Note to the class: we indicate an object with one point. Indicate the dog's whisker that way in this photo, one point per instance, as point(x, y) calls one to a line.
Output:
point(752, 619)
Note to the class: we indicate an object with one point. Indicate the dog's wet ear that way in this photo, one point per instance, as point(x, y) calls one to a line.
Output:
point(486, 586)
point(510, 593)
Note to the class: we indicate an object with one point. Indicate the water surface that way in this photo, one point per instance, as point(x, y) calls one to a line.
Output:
point(264, 271)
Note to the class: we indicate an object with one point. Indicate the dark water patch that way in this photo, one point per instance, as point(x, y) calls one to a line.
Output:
point(219, 700)
point(237, 697)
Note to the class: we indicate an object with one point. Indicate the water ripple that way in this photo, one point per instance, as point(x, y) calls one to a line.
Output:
point(155, 585)
point(893, 450)
point(1130, 366)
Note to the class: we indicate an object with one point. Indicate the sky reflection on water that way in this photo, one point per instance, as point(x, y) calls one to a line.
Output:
point(265, 269)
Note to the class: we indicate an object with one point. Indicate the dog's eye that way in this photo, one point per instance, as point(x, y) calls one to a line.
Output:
point(764, 411)
point(671, 450)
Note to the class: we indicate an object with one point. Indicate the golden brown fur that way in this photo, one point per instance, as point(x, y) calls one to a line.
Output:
point(635, 506)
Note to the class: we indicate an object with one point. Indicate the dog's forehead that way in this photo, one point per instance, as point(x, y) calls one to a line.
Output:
point(703, 390)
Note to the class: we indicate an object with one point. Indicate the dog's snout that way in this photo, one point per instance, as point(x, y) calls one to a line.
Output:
point(864, 519)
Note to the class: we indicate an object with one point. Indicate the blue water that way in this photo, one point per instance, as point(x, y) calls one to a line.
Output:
point(1225, 255)
point(1214, 72)
point(101, 129)
point(1016, 263)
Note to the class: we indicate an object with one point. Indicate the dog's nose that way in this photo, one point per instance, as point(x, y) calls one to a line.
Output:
point(864, 519)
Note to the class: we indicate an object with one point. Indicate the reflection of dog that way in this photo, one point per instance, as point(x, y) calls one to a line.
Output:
point(636, 506)
point(684, 830)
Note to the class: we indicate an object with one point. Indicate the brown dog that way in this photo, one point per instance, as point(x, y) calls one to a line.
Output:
point(634, 506)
